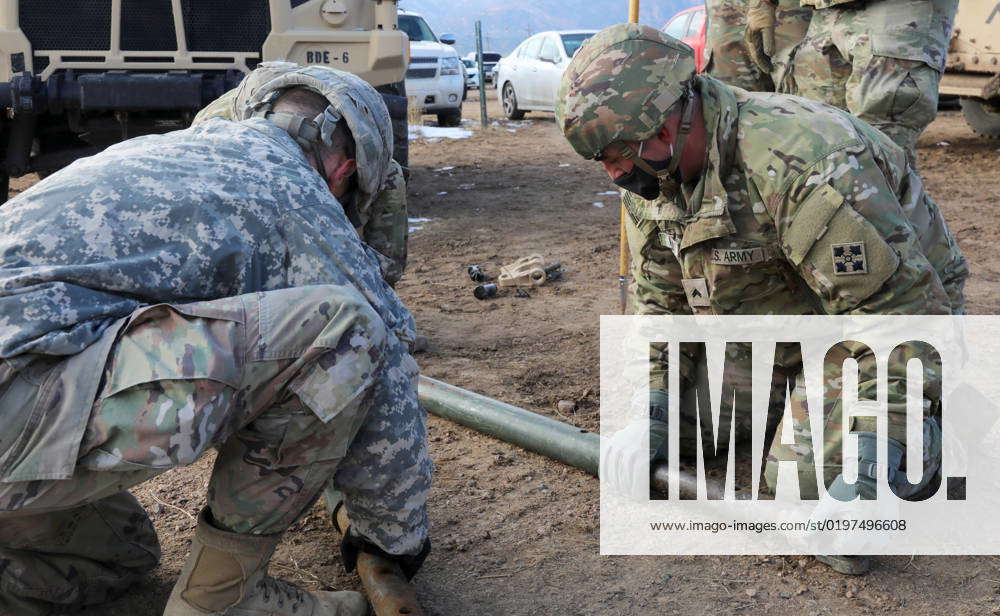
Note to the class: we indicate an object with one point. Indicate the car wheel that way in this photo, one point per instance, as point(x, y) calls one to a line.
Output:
point(510, 103)
point(452, 117)
point(465, 92)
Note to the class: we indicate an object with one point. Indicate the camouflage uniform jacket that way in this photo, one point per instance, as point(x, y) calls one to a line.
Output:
point(214, 211)
point(384, 222)
point(801, 209)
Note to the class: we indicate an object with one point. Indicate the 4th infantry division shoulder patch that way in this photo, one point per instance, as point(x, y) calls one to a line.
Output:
point(849, 259)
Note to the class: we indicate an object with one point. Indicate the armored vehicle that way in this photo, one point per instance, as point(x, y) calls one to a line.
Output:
point(79, 75)
point(973, 69)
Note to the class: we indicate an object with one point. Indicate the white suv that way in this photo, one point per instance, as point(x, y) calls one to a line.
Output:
point(435, 77)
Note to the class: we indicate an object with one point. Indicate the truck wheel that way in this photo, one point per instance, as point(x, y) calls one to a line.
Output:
point(395, 100)
point(510, 108)
point(982, 117)
point(452, 117)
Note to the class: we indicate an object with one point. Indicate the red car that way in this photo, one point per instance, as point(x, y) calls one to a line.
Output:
point(689, 26)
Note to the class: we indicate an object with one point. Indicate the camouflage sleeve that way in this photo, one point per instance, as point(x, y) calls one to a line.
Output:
point(843, 229)
point(656, 288)
point(386, 475)
point(221, 107)
point(387, 229)
point(936, 240)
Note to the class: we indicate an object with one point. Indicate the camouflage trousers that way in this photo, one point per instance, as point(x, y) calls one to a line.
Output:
point(728, 59)
point(278, 382)
point(884, 85)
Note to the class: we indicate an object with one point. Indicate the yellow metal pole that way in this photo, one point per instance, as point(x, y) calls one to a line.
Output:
point(633, 17)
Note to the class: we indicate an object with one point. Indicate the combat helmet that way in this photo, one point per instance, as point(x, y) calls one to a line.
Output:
point(620, 86)
point(351, 99)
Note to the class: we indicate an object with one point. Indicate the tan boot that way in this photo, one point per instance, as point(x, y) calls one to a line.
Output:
point(226, 575)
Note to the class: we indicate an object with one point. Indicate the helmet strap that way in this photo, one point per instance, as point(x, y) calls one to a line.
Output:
point(678, 147)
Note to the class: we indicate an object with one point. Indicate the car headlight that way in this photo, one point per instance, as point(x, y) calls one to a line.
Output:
point(451, 66)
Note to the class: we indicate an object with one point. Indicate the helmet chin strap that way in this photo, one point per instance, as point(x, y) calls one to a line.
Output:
point(665, 175)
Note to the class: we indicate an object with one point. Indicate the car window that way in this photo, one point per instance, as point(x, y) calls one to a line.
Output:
point(677, 27)
point(416, 28)
point(549, 50)
point(572, 42)
point(491, 57)
point(468, 63)
point(697, 20)
point(531, 48)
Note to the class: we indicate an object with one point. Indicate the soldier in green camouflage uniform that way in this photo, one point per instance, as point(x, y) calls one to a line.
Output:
point(882, 60)
point(751, 203)
point(195, 290)
point(732, 61)
point(382, 217)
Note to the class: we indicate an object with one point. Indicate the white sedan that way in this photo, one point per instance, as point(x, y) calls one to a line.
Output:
point(528, 78)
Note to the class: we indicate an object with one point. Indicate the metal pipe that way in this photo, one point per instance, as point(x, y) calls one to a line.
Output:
point(574, 446)
point(557, 440)
point(633, 11)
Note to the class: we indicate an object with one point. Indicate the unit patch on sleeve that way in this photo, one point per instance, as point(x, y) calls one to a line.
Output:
point(849, 259)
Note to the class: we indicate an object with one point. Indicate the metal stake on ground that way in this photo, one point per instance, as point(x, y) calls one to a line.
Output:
point(482, 73)
point(633, 17)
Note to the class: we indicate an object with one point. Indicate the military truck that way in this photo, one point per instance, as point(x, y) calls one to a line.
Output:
point(973, 68)
point(79, 75)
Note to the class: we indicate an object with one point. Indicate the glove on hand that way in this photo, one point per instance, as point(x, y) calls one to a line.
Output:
point(759, 33)
point(625, 454)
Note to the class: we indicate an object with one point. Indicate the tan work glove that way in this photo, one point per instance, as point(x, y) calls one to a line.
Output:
point(759, 34)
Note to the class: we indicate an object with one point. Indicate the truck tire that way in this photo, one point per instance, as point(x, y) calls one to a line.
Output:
point(982, 117)
point(394, 95)
point(452, 117)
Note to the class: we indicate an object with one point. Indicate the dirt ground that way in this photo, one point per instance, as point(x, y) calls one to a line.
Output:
point(515, 533)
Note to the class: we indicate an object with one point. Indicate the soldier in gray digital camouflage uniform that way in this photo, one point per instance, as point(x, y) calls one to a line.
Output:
point(757, 203)
point(195, 290)
point(381, 218)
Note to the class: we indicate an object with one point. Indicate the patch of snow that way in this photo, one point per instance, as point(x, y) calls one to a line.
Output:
point(439, 132)
point(443, 169)
point(412, 229)
point(418, 220)
point(443, 192)
point(609, 192)
point(466, 186)
point(943, 144)
point(597, 204)
point(565, 165)
point(511, 130)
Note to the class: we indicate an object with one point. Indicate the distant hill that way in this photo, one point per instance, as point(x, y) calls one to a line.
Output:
point(508, 22)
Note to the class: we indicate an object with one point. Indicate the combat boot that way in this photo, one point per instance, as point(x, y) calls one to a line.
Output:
point(226, 575)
